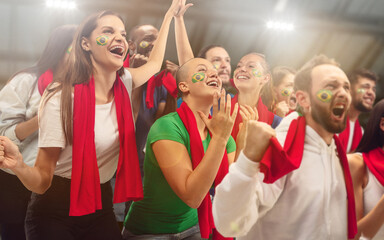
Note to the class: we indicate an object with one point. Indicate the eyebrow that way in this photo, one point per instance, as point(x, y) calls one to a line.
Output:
point(110, 27)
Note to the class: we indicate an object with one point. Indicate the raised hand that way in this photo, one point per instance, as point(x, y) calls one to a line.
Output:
point(171, 67)
point(183, 8)
point(221, 123)
point(10, 157)
point(282, 109)
point(137, 60)
point(257, 139)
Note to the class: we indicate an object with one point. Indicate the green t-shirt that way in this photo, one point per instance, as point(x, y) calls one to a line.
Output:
point(162, 211)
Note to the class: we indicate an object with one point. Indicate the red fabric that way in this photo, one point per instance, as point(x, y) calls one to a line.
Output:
point(264, 115)
point(85, 185)
point(278, 161)
point(163, 78)
point(357, 136)
point(126, 61)
point(44, 80)
point(374, 160)
point(204, 211)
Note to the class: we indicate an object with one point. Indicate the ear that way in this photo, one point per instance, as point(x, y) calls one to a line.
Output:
point(183, 86)
point(265, 79)
point(131, 46)
point(85, 44)
point(382, 124)
point(302, 99)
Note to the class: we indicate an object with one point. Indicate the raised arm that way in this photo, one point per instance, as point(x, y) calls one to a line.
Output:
point(192, 185)
point(141, 74)
point(184, 50)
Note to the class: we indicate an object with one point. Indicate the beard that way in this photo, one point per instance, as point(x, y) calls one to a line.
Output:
point(361, 107)
point(322, 115)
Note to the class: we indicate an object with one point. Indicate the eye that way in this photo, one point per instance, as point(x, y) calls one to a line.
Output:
point(124, 35)
point(108, 31)
point(330, 86)
point(347, 88)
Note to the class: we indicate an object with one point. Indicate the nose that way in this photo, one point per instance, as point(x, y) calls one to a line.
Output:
point(212, 73)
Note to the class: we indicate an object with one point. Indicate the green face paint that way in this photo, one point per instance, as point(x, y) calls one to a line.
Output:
point(324, 95)
point(361, 90)
point(144, 44)
point(102, 40)
point(69, 49)
point(285, 92)
point(198, 77)
point(216, 66)
point(256, 73)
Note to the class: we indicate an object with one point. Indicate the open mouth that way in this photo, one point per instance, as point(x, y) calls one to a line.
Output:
point(117, 50)
point(338, 111)
point(213, 84)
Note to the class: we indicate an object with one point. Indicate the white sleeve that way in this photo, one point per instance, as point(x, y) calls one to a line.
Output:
point(51, 133)
point(240, 197)
point(14, 104)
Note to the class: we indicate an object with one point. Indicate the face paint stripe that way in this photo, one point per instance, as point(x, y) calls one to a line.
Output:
point(361, 90)
point(144, 44)
point(102, 40)
point(324, 95)
point(198, 77)
point(256, 73)
point(285, 92)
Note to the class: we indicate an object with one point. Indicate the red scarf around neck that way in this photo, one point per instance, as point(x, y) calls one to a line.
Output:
point(163, 78)
point(44, 80)
point(278, 161)
point(197, 152)
point(264, 115)
point(374, 160)
point(357, 135)
point(85, 184)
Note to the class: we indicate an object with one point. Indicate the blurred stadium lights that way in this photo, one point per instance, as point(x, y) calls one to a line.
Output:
point(283, 26)
point(60, 4)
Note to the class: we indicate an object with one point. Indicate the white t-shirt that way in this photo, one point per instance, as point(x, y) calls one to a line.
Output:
point(308, 203)
point(106, 135)
point(19, 102)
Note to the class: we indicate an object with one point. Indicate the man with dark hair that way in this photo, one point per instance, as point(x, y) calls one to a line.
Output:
point(363, 92)
point(304, 189)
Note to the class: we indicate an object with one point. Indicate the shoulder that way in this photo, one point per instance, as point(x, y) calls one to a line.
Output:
point(22, 80)
point(356, 165)
point(168, 127)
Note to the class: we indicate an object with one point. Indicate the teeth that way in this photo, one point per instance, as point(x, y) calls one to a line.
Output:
point(120, 48)
point(212, 84)
point(339, 106)
point(241, 77)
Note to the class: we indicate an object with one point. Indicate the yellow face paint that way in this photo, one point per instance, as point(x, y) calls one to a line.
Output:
point(216, 66)
point(144, 44)
point(324, 95)
point(285, 92)
point(69, 49)
point(198, 77)
point(256, 73)
point(102, 40)
point(361, 90)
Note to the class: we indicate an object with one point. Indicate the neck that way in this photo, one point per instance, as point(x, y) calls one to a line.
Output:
point(353, 114)
point(104, 86)
point(249, 98)
point(324, 134)
point(196, 106)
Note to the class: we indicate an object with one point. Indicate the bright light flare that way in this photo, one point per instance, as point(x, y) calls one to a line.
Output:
point(60, 4)
point(283, 26)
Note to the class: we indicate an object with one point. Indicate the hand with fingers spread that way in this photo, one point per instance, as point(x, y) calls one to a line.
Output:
point(282, 109)
point(221, 123)
point(183, 8)
point(10, 157)
point(137, 60)
point(257, 139)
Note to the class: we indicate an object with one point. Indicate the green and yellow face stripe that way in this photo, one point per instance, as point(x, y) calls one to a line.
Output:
point(69, 49)
point(198, 77)
point(361, 90)
point(144, 44)
point(324, 95)
point(102, 40)
point(285, 92)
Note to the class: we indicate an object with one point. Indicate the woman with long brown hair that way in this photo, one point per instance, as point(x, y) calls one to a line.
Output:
point(19, 102)
point(72, 195)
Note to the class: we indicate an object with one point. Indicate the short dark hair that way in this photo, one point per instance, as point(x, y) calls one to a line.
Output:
point(303, 78)
point(203, 51)
point(362, 73)
point(373, 136)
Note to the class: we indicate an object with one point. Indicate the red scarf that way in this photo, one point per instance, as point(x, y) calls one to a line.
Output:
point(44, 80)
point(357, 135)
point(126, 61)
point(85, 184)
point(163, 78)
point(264, 115)
point(278, 162)
point(374, 160)
point(197, 152)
